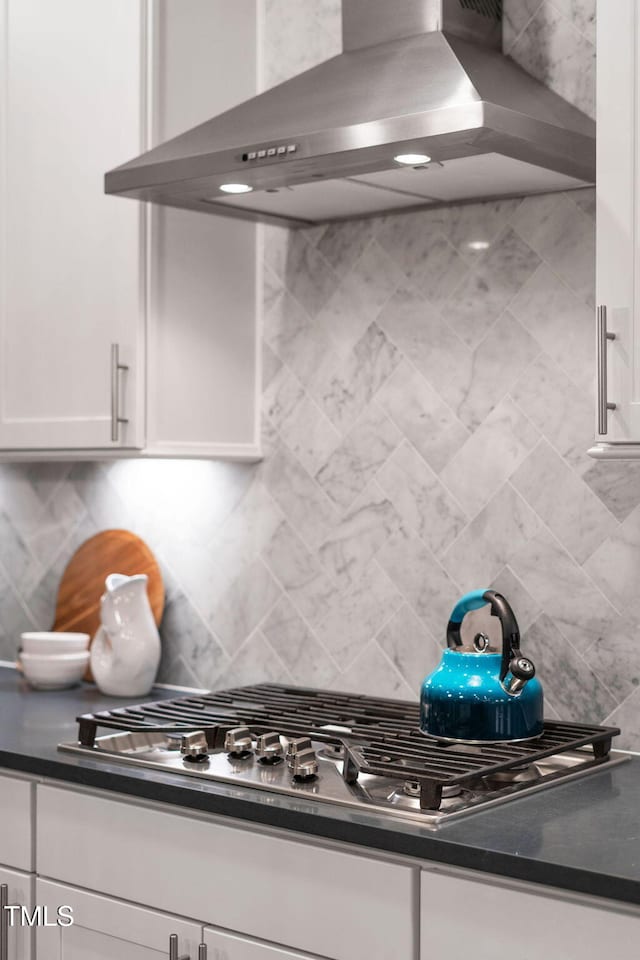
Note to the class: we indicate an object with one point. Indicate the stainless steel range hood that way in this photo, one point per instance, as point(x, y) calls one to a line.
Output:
point(421, 77)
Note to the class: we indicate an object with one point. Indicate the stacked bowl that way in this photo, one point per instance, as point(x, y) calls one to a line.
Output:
point(53, 661)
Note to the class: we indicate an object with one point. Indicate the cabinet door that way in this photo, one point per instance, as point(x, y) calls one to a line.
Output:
point(618, 213)
point(70, 257)
point(19, 937)
point(106, 929)
point(493, 920)
point(231, 946)
point(203, 304)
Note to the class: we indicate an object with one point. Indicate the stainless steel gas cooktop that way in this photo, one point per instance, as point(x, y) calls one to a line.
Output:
point(344, 749)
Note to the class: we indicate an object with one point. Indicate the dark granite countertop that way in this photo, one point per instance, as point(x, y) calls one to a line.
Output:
point(582, 836)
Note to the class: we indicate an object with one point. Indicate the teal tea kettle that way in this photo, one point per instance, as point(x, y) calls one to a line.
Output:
point(479, 692)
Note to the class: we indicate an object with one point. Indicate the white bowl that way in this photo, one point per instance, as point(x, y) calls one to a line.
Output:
point(54, 643)
point(54, 671)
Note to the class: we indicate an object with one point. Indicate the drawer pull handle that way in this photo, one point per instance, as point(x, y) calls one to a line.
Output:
point(116, 369)
point(202, 951)
point(173, 949)
point(603, 404)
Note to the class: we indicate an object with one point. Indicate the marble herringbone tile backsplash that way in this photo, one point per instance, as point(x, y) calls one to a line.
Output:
point(428, 404)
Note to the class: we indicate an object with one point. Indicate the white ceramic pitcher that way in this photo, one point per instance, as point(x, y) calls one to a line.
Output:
point(125, 652)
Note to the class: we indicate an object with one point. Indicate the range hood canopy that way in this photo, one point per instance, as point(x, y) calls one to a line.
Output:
point(417, 77)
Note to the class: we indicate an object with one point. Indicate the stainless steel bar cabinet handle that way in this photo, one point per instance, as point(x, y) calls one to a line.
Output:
point(173, 950)
point(116, 369)
point(603, 404)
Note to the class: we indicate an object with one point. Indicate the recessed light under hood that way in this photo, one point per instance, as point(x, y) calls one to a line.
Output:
point(422, 77)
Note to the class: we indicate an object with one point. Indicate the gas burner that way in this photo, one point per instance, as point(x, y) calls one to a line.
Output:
point(361, 752)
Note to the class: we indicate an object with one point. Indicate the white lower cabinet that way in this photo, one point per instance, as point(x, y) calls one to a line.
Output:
point(493, 919)
point(107, 929)
point(232, 946)
point(16, 796)
point(20, 893)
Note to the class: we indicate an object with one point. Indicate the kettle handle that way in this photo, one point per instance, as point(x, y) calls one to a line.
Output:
point(500, 609)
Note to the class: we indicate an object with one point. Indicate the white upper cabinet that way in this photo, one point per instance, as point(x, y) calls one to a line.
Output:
point(70, 256)
point(88, 85)
point(618, 239)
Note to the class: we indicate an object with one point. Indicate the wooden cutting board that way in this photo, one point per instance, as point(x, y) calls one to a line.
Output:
point(82, 584)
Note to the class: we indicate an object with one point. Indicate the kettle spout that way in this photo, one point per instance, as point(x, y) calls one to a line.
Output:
point(521, 670)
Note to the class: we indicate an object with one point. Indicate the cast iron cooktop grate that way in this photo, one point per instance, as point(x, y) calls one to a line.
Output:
point(381, 737)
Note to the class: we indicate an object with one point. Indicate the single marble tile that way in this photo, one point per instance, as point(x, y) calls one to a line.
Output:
point(581, 14)
point(271, 365)
point(563, 589)
point(489, 456)
point(306, 660)
point(103, 502)
point(17, 489)
point(62, 513)
point(616, 483)
point(358, 536)
point(522, 603)
point(14, 619)
point(564, 236)
point(613, 657)
point(473, 228)
point(560, 322)
point(309, 435)
point(356, 615)
point(586, 200)
point(307, 275)
point(411, 648)
point(569, 508)
point(569, 680)
point(515, 17)
point(559, 55)
point(615, 564)
point(425, 338)
point(299, 573)
point(184, 634)
point(248, 600)
point(406, 236)
point(295, 339)
point(247, 528)
point(276, 244)
point(489, 375)
point(627, 717)
point(422, 501)
point(359, 297)
point(422, 416)
point(301, 500)
point(427, 258)
point(46, 478)
point(372, 673)
point(487, 290)
point(342, 244)
point(255, 662)
point(490, 540)
point(362, 452)
point(559, 409)
point(282, 396)
point(272, 288)
point(22, 568)
point(420, 578)
point(344, 386)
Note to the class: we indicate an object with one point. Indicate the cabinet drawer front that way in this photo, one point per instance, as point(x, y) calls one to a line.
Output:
point(230, 946)
point(19, 936)
point(493, 921)
point(15, 822)
point(338, 905)
point(104, 928)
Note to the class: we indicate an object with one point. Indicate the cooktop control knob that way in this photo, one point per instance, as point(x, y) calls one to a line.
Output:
point(238, 743)
point(305, 766)
point(297, 746)
point(269, 749)
point(194, 747)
